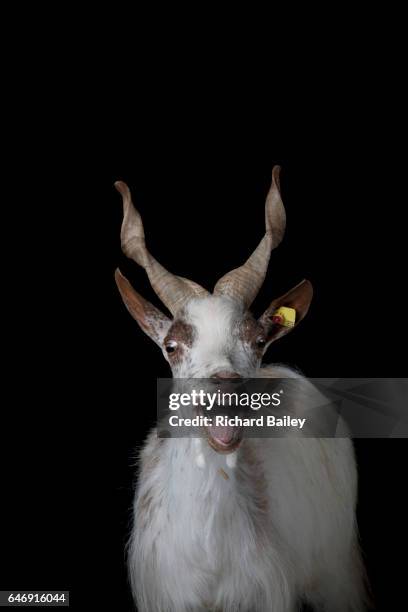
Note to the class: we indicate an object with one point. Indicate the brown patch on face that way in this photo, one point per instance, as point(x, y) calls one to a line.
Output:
point(182, 333)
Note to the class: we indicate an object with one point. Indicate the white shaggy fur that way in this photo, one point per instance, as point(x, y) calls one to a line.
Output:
point(256, 532)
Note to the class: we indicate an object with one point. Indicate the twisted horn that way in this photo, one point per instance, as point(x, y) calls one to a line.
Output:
point(244, 283)
point(174, 291)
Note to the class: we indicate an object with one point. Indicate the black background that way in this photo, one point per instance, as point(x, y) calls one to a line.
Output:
point(81, 387)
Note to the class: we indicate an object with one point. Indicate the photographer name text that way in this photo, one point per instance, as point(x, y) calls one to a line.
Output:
point(236, 421)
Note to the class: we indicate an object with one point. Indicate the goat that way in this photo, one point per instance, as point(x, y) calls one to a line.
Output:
point(279, 528)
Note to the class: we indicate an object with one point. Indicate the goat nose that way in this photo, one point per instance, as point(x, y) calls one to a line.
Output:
point(225, 374)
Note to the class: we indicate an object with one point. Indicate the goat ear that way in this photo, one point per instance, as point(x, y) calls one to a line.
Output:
point(298, 298)
point(153, 322)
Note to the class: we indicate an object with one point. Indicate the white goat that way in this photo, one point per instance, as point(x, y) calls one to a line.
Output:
point(259, 526)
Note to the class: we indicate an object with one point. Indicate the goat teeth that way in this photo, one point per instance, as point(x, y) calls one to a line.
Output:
point(232, 459)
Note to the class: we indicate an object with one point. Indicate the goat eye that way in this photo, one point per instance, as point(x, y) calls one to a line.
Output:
point(170, 346)
point(260, 341)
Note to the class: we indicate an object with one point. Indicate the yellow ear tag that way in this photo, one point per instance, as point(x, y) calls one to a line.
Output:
point(285, 316)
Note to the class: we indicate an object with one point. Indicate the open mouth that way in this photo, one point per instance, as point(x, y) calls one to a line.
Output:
point(224, 438)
